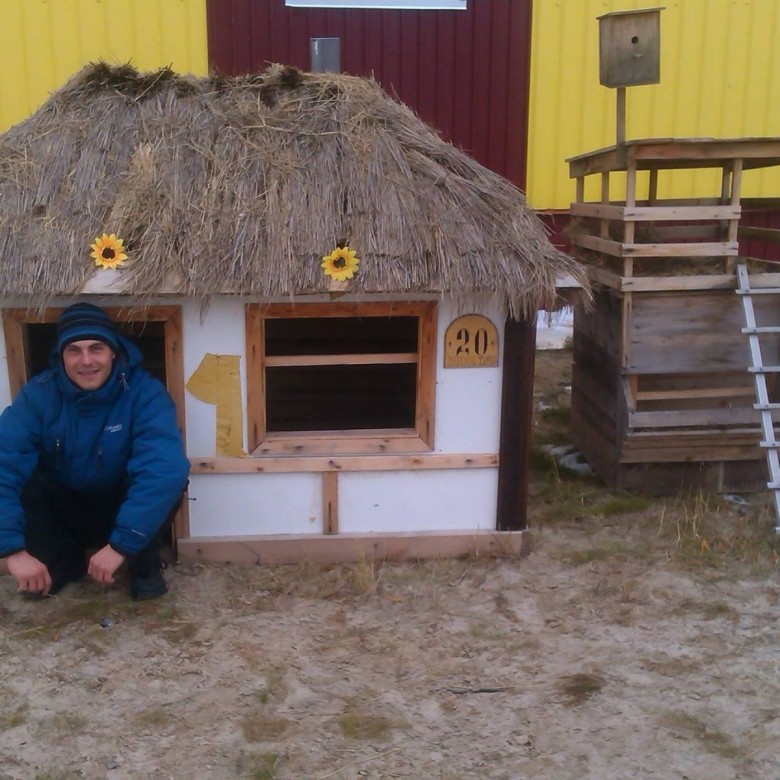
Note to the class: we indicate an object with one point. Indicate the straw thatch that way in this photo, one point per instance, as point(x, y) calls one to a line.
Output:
point(241, 186)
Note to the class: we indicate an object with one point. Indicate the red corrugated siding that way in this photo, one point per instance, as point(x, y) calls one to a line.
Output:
point(464, 72)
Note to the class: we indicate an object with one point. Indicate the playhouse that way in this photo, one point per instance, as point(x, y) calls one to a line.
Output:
point(341, 304)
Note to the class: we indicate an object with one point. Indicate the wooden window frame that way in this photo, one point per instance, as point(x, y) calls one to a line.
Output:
point(371, 441)
point(15, 320)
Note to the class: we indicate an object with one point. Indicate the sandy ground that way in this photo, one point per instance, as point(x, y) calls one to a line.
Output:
point(635, 645)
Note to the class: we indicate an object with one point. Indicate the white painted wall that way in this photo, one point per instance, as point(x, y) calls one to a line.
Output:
point(219, 329)
point(255, 504)
point(467, 416)
point(417, 500)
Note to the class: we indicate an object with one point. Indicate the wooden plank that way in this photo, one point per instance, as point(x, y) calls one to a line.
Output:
point(707, 249)
point(771, 235)
point(355, 309)
point(255, 375)
point(596, 244)
point(692, 417)
point(303, 464)
point(425, 403)
point(696, 454)
point(693, 249)
point(377, 358)
point(678, 283)
point(330, 502)
point(352, 548)
point(654, 213)
point(672, 332)
point(702, 438)
point(605, 277)
point(704, 392)
point(671, 153)
point(302, 443)
point(174, 378)
point(13, 330)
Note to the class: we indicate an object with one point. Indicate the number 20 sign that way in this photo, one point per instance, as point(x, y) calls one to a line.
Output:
point(471, 341)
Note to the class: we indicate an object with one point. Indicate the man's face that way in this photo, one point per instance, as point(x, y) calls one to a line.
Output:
point(88, 363)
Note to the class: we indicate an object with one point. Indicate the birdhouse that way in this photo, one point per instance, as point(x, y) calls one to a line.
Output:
point(630, 48)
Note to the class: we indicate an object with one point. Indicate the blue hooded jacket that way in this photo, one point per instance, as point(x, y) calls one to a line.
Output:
point(122, 435)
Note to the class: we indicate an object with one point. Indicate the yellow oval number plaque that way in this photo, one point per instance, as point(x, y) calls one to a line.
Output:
point(471, 341)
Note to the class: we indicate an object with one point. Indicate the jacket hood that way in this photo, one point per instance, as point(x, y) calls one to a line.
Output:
point(128, 357)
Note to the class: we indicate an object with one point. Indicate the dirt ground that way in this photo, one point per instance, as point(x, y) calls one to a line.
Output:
point(639, 639)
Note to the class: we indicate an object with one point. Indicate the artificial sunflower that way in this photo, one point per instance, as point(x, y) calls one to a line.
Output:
point(340, 264)
point(108, 251)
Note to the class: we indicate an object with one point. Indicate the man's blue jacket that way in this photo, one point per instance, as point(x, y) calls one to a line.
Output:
point(121, 436)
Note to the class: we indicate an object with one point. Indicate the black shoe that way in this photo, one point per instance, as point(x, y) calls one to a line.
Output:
point(146, 588)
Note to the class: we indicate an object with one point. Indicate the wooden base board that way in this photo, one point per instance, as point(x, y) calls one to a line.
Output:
point(352, 548)
point(664, 479)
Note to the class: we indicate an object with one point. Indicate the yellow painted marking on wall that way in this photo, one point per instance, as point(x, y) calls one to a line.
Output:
point(217, 381)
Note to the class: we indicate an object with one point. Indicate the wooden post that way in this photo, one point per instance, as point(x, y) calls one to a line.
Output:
point(517, 389)
point(620, 124)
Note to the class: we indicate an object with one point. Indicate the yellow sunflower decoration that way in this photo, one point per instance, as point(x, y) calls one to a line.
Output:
point(340, 264)
point(108, 251)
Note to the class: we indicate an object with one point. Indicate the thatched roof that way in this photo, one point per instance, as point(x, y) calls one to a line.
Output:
point(241, 185)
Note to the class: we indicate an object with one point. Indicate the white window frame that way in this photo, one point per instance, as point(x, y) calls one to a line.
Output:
point(404, 5)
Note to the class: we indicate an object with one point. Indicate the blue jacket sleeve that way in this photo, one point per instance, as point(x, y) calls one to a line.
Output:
point(158, 469)
point(19, 449)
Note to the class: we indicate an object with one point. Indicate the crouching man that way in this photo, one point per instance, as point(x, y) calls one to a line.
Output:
point(90, 458)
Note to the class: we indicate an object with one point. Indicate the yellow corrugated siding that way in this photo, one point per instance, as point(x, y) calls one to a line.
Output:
point(719, 66)
point(44, 42)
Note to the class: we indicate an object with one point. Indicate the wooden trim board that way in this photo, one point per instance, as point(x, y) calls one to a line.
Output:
point(352, 548)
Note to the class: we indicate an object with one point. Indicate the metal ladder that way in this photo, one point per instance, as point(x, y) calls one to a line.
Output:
point(759, 371)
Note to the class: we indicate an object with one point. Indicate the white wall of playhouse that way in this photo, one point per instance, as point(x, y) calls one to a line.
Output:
point(467, 416)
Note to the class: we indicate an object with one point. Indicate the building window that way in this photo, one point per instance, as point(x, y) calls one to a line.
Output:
point(338, 378)
point(412, 5)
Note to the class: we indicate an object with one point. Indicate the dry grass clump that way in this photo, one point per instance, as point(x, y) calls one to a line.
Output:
point(701, 529)
point(710, 738)
point(258, 726)
point(359, 725)
point(579, 688)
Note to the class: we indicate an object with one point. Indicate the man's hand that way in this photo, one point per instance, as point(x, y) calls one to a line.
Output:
point(30, 574)
point(104, 563)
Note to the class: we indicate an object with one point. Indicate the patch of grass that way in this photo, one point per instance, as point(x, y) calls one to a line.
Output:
point(709, 610)
point(700, 531)
point(10, 720)
point(624, 505)
point(580, 688)
point(260, 766)
point(711, 739)
point(273, 686)
point(610, 548)
point(556, 415)
point(561, 501)
point(154, 717)
point(363, 577)
point(63, 724)
point(59, 774)
point(259, 727)
point(165, 619)
point(357, 725)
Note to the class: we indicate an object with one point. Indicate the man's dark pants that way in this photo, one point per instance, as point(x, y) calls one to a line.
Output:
point(61, 525)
